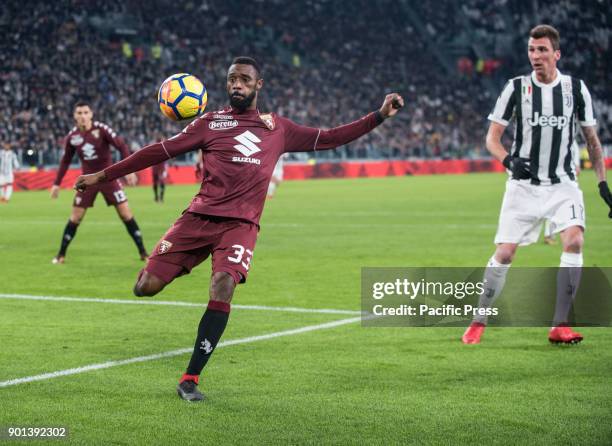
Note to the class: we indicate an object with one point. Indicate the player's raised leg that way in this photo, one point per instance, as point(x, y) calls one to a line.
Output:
point(76, 217)
point(568, 280)
point(125, 213)
point(148, 284)
point(211, 328)
point(494, 279)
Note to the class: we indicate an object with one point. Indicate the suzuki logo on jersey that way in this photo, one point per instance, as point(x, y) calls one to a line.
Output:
point(548, 121)
point(89, 152)
point(247, 148)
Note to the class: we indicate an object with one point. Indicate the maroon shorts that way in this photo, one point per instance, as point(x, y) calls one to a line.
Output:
point(113, 194)
point(193, 237)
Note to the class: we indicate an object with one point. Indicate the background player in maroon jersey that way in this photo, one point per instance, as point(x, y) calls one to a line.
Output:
point(91, 141)
point(159, 173)
point(240, 148)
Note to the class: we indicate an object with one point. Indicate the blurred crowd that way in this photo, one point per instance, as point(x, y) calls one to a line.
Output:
point(325, 62)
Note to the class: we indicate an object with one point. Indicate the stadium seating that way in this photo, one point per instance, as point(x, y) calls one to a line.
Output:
point(324, 63)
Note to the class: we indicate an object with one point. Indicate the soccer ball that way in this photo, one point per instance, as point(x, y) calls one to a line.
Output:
point(182, 96)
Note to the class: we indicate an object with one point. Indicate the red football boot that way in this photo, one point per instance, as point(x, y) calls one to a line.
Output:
point(473, 333)
point(564, 335)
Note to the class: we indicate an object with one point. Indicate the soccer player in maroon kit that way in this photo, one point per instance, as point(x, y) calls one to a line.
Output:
point(240, 148)
point(159, 173)
point(91, 141)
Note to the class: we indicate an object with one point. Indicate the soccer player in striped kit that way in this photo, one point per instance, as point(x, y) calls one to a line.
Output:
point(8, 163)
point(546, 106)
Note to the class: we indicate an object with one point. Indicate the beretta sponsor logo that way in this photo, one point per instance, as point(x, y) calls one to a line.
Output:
point(76, 140)
point(222, 125)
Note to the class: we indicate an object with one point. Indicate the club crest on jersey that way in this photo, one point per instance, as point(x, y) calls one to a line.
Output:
point(96, 133)
point(222, 125)
point(268, 120)
point(76, 140)
point(164, 246)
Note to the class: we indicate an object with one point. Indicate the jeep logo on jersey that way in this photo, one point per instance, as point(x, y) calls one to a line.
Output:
point(247, 144)
point(548, 121)
point(222, 125)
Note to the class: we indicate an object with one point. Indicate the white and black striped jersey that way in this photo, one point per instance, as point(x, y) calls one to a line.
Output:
point(8, 162)
point(545, 118)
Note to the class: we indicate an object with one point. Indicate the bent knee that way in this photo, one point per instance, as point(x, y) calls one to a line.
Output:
point(76, 219)
point(573, 241)
point(222, 286)
point(505, 252)
point(148, 285)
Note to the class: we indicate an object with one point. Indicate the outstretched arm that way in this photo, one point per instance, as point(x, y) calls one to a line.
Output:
point(63, 168)
point(191, 138)
point(304, 139)
point(599, 165)
point(119, 143)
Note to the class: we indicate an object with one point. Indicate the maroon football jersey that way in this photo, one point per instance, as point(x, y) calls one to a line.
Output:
point(240, 151)
point(93, 148)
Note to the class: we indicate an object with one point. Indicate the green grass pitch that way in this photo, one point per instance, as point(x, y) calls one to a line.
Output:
point(341, 385)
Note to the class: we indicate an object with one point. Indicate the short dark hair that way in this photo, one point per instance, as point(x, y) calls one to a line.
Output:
point(541, 31)
point(245, 60)
point(81, 103)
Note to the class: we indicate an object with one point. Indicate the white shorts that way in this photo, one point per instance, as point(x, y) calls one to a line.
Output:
point(6, 179)
point(525, 207)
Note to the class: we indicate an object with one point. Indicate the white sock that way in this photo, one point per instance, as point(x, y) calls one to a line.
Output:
point(2, 192)
point(568, 280)
point(271, 188)
point(494, 278)
point(8, 192)
point(547, 231)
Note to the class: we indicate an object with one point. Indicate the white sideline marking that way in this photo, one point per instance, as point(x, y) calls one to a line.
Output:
point(109, 364)
point(174, 303)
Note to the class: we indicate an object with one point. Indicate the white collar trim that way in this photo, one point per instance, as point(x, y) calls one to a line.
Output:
point(554, 83)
